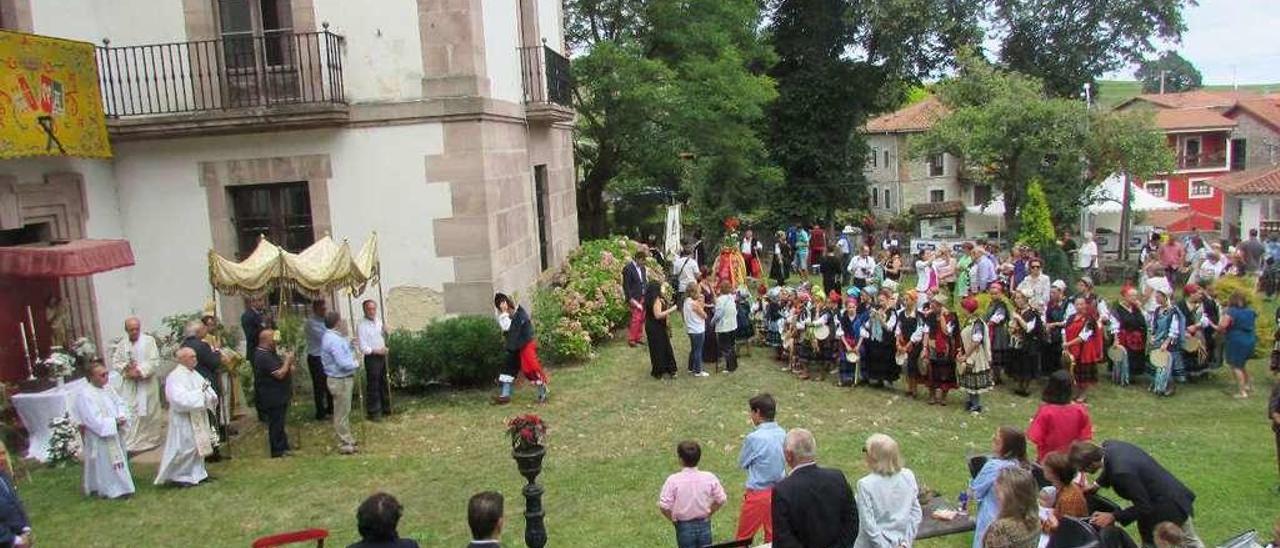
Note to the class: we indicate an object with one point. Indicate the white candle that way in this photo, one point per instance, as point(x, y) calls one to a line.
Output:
point(26, 351)
point(32, 323)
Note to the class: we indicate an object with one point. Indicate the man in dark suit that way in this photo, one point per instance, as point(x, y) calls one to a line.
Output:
point(633, 282)
point(484, 516)
point(15, 529)
point(255, 319)
point(377, 519)
point(1156, 495)
point(813, 507)
point(272, 388)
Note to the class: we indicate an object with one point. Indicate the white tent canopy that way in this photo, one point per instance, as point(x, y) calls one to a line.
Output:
point(1107, 198)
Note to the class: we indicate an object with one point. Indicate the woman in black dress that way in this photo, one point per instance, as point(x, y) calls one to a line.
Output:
point(662, 358)
point(710, 347)
point(1030, 342)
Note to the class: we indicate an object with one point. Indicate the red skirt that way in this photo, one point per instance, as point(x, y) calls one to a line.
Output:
point(530, 366)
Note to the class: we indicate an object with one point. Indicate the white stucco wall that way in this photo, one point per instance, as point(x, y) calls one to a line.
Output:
point(125, 22)
point(378, 184)
point(384, 48)
point(550, 17)
point(501, 50)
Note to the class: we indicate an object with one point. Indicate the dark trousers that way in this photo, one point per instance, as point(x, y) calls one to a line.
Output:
point(277, 439)
point(377, 393)
point(320, 388)
point(730, 354)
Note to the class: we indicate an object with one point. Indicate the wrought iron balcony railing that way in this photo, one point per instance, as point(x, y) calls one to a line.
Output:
point(268, 70)
point(546, 76)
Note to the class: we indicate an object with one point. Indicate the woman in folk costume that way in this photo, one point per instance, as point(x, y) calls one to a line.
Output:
point(851, 320)
point(1083, 341)
point(973, 362)
point(771, 316)
point(942, 343)
point(1131, 336)
point(879, 343)
point(521, 347)
point(779, 266)
point(830, 346)
point(909, 340)
point(1167, 330)
point(750, 248)
point(794, 338)
point(1055, 318)
point(999, 317)
point(1029, 341)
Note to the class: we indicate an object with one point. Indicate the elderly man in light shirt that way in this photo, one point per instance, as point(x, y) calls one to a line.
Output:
point(371, 335)
point(340, 368)
point(862, 267)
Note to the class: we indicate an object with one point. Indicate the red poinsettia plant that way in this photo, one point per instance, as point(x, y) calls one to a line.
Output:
point(526, 431)
point(731, 224)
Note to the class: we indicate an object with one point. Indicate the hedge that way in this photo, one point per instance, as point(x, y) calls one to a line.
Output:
point(460, 351)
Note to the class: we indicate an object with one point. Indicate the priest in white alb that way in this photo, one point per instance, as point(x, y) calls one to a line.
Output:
point(190, 438)
point(136, 359)
point(102, 416)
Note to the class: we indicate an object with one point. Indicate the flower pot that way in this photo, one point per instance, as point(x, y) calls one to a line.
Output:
point(529, 460)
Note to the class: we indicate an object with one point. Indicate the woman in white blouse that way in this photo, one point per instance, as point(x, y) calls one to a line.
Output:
point(888, 510)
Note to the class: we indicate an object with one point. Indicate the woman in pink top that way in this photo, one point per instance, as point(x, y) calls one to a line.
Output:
point(689, 497)
point(1059, 422)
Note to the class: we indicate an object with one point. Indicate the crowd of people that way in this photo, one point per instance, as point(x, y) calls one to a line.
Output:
point(975, 317)
point(794, 502)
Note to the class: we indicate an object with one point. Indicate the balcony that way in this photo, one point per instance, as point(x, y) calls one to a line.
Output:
point(1206, 161)
point(548, 84)
point(229, 85)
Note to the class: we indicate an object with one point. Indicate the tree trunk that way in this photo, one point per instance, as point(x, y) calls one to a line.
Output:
point(592, 210)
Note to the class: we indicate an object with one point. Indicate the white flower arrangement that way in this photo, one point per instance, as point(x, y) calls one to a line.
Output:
point(59, 364)
point(84, 349)
point(63, 442)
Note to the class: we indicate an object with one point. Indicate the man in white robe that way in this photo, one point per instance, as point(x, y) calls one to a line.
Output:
point(102, 417)
point(190, 438)
point(137, 359)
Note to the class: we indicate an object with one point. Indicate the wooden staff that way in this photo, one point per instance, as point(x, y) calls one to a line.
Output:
point(382, 314)
point(361, 387)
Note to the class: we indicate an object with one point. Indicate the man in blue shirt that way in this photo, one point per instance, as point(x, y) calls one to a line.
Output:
point(339, 363)
point(763, 460)
point(315, 339)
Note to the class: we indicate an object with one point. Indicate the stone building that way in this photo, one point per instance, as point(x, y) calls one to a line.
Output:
point(443, 125)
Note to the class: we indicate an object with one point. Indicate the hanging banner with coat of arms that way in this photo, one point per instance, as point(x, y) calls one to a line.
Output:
point(50, 104)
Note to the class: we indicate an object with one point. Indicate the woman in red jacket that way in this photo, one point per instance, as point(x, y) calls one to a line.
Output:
point(1059, 422)
point(1083, 340)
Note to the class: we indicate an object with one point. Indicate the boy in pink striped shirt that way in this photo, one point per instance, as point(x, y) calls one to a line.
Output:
point(689, 497)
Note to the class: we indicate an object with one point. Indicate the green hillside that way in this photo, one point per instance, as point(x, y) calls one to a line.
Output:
point(1113, 92)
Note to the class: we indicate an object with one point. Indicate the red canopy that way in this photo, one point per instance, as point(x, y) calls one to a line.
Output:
point(74, 258)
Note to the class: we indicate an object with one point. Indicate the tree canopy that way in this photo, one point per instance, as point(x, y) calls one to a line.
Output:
point(1177, 72)
point(1068, 43)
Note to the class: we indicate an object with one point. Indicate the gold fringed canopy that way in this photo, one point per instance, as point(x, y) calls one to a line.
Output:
point(315, 271)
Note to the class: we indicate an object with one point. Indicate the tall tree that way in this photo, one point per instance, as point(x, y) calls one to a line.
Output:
point(1169, 73)
point(670, 95)
point(839, 61)
point(1068, 43)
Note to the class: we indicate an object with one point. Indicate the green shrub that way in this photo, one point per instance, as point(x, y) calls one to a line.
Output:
point(461, 351)
point(1265, 327)
point(560, 339)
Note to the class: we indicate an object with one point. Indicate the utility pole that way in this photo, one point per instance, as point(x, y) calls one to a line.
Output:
point(1162, 73)
point(1125, 214)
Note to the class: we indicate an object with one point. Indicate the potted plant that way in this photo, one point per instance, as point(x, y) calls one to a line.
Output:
point(528, 434)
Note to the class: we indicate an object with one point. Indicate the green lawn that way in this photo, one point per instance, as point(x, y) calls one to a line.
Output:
point(1114, 92)
point(613, 431)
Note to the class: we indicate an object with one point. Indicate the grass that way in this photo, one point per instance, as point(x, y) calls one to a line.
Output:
point(613, 432)
point(1114, 92)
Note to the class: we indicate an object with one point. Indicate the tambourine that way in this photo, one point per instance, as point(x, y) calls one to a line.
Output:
point(822, 332)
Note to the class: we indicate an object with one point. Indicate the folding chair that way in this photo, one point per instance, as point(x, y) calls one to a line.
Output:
point(294, 537)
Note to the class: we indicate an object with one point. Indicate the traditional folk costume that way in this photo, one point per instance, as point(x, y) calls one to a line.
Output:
point(1167, 330)
point(191, 438)
point(1051, 357)
point(106, 462)
point(1029, 341)
point(851, 329)
point(1190, 360)
point(998, 317)
point(1086, 353)
point(942, 336)
point(974, 369)
point(730, 267)
point(142, 395)
point(1131, 334)
point(750, 249)
point(773, 321)
point(879, 346)
point(910, 342)
point(522, 354)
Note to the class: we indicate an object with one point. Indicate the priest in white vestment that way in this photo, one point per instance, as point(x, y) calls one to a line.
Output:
point(137, 359)
point(190, 438)
point(102, 417)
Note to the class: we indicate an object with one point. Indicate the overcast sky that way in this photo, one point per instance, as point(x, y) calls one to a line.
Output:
point(1226, 37)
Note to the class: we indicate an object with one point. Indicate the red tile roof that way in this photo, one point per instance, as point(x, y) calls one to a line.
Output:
point(1191, 99)
point(1260, 180)
point(1191, 118)
point(1266, 109)
point(912, 118)
point(1180, 220)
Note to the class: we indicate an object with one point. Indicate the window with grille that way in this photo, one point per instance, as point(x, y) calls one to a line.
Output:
point(281, 212)
point(937, 195)
point(937, 165)
point(1201, 189)
point(1159, 190)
